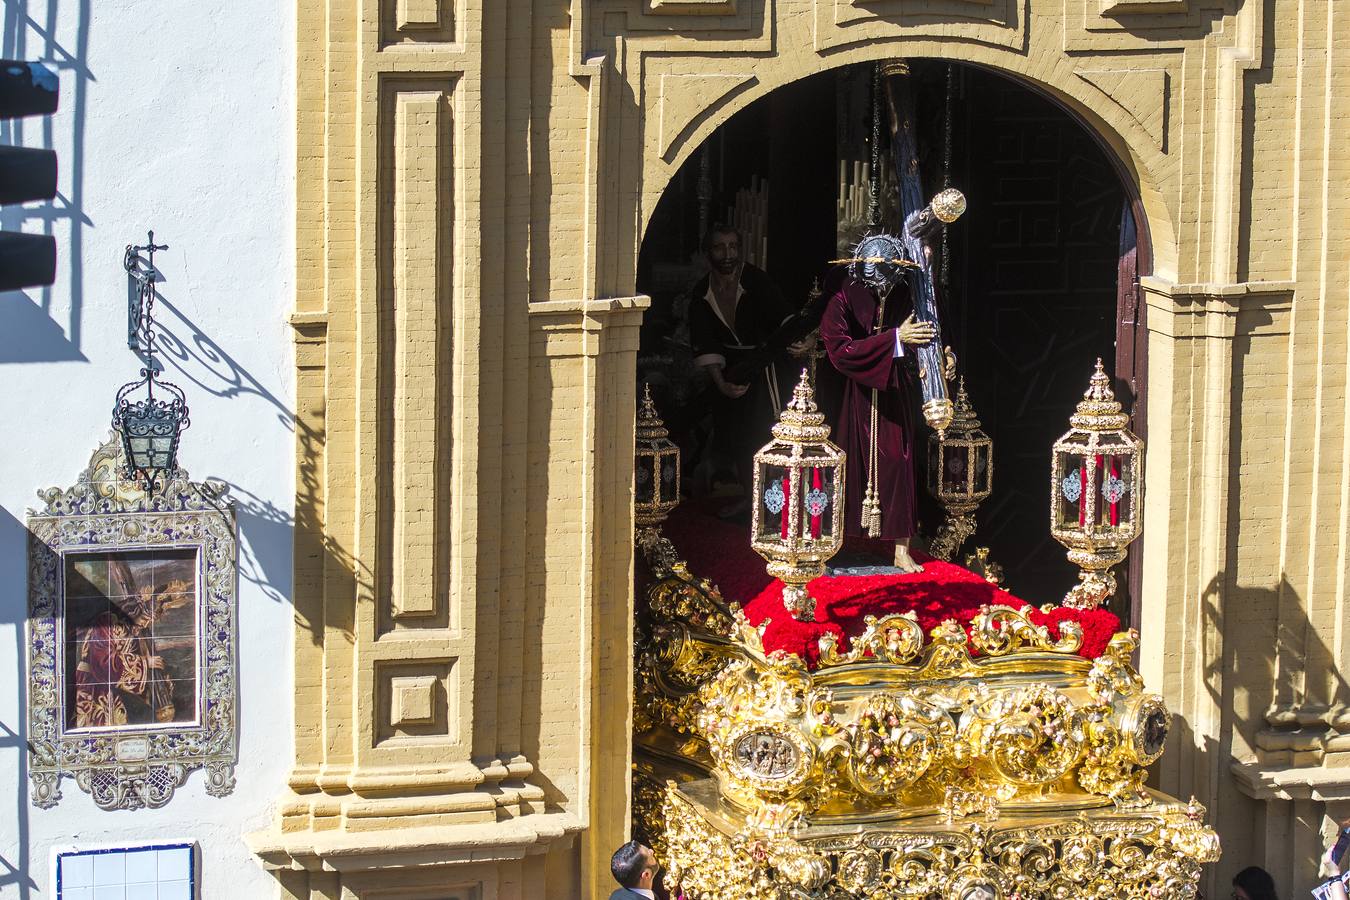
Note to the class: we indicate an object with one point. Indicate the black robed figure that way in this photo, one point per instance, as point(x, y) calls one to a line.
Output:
point(735, 309)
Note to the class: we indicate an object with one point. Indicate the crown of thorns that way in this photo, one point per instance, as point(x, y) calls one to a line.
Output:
point(875, 259)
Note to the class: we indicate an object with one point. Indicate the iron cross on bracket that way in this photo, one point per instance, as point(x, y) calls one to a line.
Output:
point(141, 278)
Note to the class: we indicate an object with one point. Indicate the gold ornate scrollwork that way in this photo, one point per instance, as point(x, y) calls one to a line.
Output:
point(1032, 736)
point(1141, 856)
point(680, 597)
point(981, 734)
point(890, 639)
point(895, 741)
point(999, 630)
point(1113, 674)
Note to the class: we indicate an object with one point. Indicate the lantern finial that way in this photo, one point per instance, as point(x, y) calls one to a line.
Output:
point(648, 411)
point(1099, 409)
point(802, 420)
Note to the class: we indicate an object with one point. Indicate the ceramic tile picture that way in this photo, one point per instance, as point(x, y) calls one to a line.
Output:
point(131, 637)
point(130, 641)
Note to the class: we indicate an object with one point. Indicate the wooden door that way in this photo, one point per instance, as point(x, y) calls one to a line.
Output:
point(1033, 302)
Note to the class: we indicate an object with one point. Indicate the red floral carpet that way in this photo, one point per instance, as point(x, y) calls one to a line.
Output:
point(720, 551)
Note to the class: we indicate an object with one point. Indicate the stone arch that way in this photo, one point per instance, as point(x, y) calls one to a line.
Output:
point(677, 122)
point(1135, 153)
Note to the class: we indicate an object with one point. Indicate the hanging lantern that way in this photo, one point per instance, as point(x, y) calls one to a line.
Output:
point(1095, 491)
point(798, 516)
point(656, 467)
point(960, 474)
point(150, 428)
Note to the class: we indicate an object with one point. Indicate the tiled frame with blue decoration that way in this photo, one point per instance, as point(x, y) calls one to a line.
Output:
point(132, 766)
point(166, 871)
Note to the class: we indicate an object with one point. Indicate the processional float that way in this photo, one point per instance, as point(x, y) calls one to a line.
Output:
point(987, 762)
point(979, 760)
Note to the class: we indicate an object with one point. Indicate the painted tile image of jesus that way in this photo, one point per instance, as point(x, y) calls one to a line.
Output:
point(130, 639)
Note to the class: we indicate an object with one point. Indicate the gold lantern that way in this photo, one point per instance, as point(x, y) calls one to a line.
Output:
point(798, 516)
point(960, 475)
point(656, 468)
point(1095, 491)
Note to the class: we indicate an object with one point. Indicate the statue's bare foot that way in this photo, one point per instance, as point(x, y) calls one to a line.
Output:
point(903, 561)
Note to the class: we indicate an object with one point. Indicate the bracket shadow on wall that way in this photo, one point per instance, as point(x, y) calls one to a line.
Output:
point(131, 636)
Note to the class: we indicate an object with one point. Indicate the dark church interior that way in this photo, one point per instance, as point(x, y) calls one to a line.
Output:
point(1034, 282)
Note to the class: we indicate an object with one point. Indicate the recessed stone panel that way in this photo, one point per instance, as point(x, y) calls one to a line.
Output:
point(417, 22)
point(417, 148)
point(416, 702)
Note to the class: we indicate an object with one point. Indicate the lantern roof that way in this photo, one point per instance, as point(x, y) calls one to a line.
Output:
point(963, 414)
point(650, 427)
point(802, 421)
point(1099, 410)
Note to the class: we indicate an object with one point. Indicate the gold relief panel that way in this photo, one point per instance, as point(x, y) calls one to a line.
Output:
point(416, 702)
point(415, 315)
point(417, 22)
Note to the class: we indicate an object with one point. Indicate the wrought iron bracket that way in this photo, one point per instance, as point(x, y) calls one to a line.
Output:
point(142, 276)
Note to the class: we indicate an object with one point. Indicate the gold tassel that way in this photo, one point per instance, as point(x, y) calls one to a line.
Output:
point(871, 505)
point(871, 512)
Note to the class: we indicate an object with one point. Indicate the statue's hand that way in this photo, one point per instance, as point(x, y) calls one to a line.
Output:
point(916, 334)
point(948, 364)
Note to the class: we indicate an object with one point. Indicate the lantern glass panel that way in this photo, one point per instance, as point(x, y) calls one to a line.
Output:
point(643, 483)
point(817, 499)
point(955, 468)
point(140, 453)
point(1070, 492)
point(1115, 498)
point(670, 471)
point(775, 491)
point(982, 470)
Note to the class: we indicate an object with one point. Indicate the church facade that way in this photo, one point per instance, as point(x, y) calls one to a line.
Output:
point(472, 183)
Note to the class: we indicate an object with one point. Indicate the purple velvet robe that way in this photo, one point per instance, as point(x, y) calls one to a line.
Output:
point(866, 358)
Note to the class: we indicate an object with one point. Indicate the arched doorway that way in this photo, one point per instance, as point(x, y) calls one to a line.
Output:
point(1039, 279)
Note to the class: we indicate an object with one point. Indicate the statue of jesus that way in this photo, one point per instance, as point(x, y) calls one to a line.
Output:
point(867, 326)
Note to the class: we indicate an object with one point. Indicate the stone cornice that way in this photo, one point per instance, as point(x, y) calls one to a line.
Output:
point(348, 851)
point(1262, 781)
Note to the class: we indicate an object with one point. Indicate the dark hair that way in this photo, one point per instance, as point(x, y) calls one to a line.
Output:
point(627, 864)
point(1257, 882)
point(720, 228)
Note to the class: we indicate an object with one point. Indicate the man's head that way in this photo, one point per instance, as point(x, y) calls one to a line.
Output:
point(722, 246)
point(877, 264)
point(633, 865)
point(1254, 883)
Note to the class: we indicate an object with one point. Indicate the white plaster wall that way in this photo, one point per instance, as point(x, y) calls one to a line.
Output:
point(175, 116)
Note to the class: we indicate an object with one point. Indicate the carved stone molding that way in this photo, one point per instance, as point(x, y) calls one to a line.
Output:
point(692, 7)
point(131, 637)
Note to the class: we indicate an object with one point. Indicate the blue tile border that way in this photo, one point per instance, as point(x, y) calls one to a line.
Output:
point(189, 846)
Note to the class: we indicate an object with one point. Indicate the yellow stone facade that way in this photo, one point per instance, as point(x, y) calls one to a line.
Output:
point(473, 183)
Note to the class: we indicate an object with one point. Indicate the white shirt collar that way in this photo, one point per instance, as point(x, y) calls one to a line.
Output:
point(711, 297)
point(643, 892)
